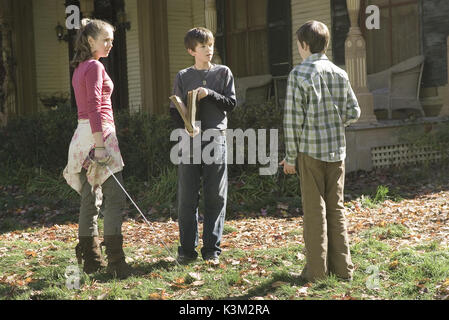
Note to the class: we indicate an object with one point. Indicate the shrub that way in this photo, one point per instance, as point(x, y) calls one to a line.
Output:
point(39, 140)
point(39, 143)
point(144, 143)
point(264, 116)
point(42, 140)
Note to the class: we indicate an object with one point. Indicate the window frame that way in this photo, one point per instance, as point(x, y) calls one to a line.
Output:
point(229, 33)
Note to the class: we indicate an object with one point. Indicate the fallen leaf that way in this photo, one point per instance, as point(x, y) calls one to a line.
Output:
point(393, 265)
point(194, 275)
point(154, 296)
point(179, 280)
point(102, 296)
point(198, 283)
point(278, 284)
point(30, 253)
point(300, 256)
point(287, 263)
point(302, 291)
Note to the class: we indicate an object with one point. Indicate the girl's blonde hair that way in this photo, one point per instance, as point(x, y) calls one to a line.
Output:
point(88, 28)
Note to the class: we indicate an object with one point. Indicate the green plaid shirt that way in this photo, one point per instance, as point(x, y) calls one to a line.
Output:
point(320, 103)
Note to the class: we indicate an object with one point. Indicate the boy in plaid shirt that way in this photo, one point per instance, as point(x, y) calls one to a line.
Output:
point(320, 104)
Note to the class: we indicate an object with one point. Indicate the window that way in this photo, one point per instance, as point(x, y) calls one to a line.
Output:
point(398, 37)
point(246, 37)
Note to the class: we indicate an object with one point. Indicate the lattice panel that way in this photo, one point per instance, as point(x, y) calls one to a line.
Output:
point(401, 154)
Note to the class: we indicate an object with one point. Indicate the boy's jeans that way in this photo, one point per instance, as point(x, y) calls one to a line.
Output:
point(325, 234)
point(215, 187)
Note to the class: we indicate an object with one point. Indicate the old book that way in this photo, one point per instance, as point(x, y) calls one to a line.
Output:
point(188, 114)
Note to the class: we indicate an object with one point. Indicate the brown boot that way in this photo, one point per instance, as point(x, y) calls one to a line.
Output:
point(117, 266)
point(88, 249)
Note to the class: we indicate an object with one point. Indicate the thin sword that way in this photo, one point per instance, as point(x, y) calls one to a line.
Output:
point(138, 209)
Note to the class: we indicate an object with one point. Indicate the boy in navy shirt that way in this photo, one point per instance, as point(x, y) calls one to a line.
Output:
point(216, 97)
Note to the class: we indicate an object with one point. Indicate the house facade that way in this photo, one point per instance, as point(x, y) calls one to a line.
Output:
point(254, 38)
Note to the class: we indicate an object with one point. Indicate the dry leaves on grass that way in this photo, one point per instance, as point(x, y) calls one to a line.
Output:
point(425, 218)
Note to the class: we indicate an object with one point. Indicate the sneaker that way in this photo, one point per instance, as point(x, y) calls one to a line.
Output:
point(215, 261)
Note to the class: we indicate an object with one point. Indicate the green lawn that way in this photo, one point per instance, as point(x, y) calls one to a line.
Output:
point(396, 222)
point(33, 269)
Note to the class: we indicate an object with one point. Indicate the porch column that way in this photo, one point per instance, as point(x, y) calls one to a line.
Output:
point(355, 59)
point(210, 15)
point(9, 87)
point(445, 109)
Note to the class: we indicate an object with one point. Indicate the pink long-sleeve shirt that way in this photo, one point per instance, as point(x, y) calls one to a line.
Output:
point(93, 89)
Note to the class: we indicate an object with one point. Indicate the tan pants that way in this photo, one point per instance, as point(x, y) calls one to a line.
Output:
point(325, 233)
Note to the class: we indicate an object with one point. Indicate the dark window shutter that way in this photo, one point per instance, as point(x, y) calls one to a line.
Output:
point(340, 29)
point(279, 37)
point(435, 31)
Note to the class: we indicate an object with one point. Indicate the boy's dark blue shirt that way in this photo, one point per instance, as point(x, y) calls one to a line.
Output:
point(212, 110)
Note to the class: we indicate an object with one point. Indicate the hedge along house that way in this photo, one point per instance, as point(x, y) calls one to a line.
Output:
point(255, 38)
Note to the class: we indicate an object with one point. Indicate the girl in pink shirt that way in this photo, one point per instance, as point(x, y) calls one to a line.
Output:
point(94, 145)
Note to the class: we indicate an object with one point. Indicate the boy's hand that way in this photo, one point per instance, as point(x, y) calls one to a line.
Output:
point(196, 131)
point(202, 93)
point(288, 169)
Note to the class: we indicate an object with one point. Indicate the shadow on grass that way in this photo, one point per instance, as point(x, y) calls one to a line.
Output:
point(405, 182)
point(22, 210)
point(138, 270)
point(8, 292)
point(267, 286)
point(143, 269)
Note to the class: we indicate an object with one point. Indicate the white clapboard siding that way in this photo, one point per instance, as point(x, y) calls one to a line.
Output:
point(133, 57)
point(305, 10)
point(52, 57)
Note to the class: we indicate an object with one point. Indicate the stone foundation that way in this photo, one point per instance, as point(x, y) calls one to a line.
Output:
point(362, 138)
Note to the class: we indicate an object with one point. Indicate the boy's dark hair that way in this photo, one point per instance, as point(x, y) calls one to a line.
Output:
point(197, 35)
point(315, 34)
